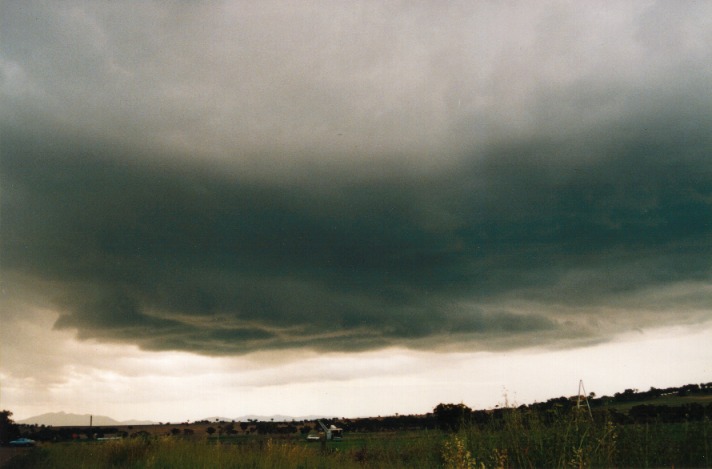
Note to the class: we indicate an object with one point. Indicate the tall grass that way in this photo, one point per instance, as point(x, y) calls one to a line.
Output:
point(528, 439)
point(525, 439)
point(170, 452)
point(519, 439)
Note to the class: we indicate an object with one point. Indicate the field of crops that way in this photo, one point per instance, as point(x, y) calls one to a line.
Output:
point(521, 439)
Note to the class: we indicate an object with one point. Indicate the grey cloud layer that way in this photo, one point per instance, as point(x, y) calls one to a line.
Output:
point(251, 188)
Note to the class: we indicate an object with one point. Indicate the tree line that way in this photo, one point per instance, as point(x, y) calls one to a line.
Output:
point(444, 416)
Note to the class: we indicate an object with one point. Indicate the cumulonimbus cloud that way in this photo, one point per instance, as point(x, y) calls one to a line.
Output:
point(224, 199)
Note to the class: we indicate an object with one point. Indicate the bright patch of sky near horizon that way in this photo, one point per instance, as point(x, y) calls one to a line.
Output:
point(127, 383)
point(350, 208)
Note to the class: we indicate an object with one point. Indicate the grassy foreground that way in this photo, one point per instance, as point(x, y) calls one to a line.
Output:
point(263, 452)
point(520, 440)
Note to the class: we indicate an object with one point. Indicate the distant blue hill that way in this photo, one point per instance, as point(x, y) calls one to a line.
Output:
point(63, 419)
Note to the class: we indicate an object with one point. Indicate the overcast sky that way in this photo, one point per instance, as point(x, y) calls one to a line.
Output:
point(351, 208)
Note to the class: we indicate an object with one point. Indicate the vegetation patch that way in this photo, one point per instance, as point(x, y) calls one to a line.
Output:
point(559, 433)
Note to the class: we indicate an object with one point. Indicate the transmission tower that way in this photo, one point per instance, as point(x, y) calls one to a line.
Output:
point(582, 393)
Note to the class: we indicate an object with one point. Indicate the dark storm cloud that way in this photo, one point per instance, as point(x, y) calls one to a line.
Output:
point(558, 206)
point(183, 258)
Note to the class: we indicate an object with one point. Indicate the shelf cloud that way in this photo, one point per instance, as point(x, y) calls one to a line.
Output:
point(236, 177)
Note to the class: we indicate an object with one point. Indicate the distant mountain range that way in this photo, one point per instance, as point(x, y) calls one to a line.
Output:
point(63, 419)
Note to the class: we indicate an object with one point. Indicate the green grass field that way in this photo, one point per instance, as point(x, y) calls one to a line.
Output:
point(522, 439)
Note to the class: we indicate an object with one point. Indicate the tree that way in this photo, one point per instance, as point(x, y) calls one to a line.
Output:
point(452, 416)
point(9, 430)
point(210, 431)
